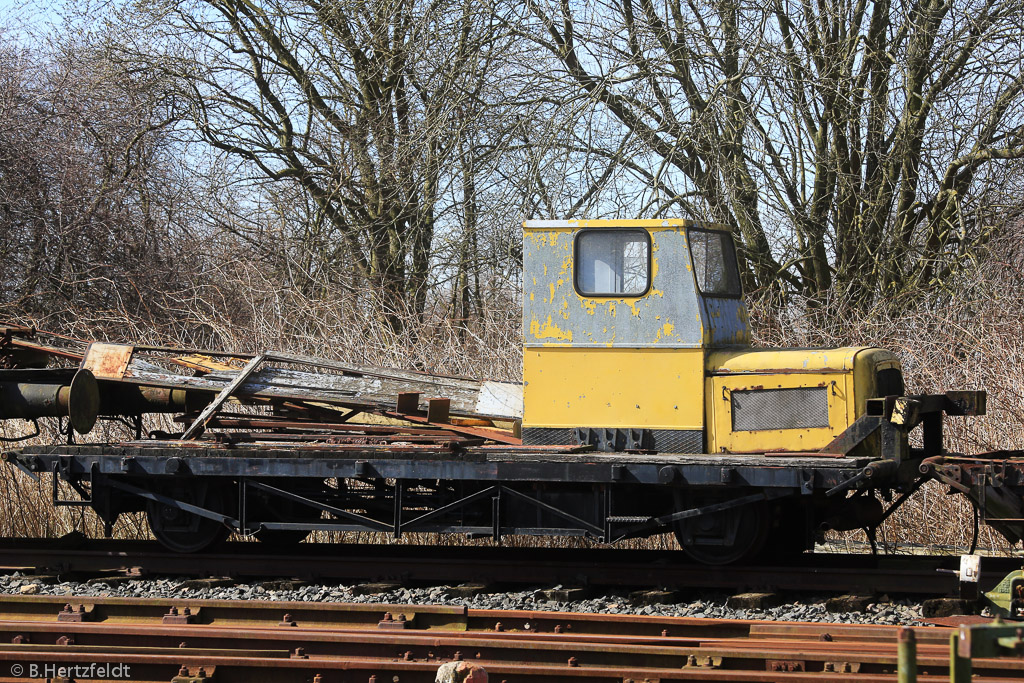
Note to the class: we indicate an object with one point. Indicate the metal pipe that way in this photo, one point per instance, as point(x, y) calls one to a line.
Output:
point(118, 398)
point(48, 394)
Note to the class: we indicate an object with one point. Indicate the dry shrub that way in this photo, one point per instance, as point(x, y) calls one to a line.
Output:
point(968, 337)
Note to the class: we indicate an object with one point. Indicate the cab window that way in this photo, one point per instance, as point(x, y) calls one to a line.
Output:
point(612, 262)
point(714, 263)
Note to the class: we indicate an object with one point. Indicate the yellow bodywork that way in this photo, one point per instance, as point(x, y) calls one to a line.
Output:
point(673, 358)
point(638, 388)
point(847, 375)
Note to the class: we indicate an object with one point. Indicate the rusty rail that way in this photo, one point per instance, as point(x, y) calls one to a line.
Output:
point(228, 641)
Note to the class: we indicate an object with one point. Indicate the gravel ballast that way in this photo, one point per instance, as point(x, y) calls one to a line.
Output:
point(703, 605)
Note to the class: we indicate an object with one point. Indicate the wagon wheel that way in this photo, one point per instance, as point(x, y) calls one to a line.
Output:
point(725, 537)
point(185, 532)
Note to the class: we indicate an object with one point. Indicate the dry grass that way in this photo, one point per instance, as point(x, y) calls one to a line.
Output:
point(973, 340)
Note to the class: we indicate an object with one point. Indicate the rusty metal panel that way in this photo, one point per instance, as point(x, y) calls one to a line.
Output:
point(725, 322)
point(108, 361)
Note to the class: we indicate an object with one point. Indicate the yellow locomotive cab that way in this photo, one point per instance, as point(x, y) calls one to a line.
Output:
point(637, 337)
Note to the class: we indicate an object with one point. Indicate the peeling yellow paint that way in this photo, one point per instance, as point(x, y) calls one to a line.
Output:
point(549, 331)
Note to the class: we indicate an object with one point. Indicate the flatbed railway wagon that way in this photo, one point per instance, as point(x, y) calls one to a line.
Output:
point(643, 410)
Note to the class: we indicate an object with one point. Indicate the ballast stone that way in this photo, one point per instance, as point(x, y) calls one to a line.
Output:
point(461, 672)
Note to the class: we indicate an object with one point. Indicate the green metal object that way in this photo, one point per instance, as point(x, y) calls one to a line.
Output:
point(997, 639)
point(906, 656)
point(1007, 598)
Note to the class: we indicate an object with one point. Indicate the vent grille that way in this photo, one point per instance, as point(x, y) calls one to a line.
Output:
point(540, 436)
point(679, 440)
point(761, 409)
point(661, 440)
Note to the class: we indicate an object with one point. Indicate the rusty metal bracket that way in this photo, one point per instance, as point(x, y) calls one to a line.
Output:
point(949, 481)
point(75, 615)
point(185, 616)
point(392, 623)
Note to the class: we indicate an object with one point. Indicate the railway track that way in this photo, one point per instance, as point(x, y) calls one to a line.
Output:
point(202, 641)
point(410, 564)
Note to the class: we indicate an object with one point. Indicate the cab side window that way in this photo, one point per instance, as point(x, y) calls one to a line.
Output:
point(612, 262)
point(714, 263)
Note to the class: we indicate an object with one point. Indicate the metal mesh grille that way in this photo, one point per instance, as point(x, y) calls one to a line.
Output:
point(661, 440)
point(798, 408)
point(678, 441)
point(538, 436)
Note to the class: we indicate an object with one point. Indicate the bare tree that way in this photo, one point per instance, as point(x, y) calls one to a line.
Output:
point(853, 144)
point(89, 201)
point(363, 107)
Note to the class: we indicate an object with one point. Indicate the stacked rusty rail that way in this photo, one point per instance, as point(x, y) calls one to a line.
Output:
point(227, 641)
